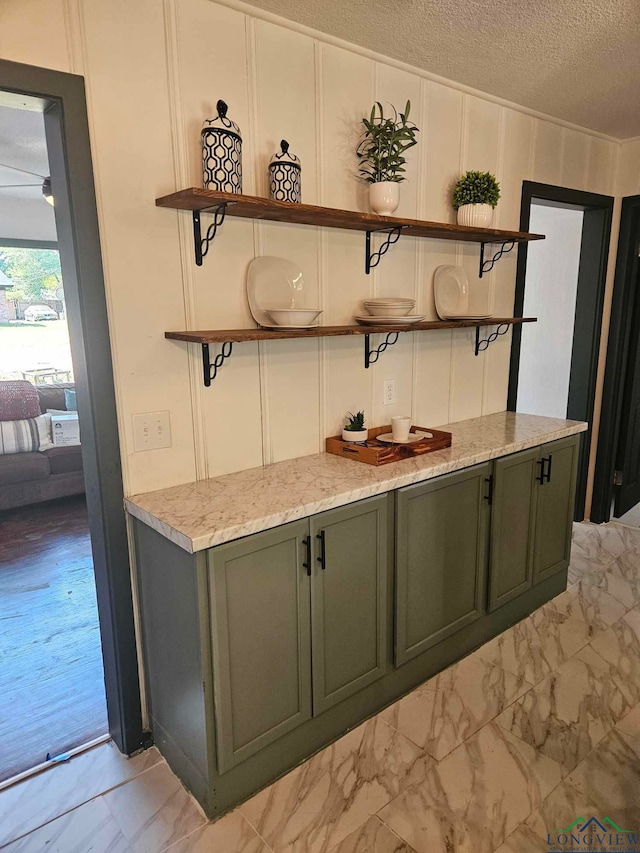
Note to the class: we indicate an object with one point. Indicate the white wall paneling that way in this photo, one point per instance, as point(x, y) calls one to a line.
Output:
point(347, 90)
point(575, 159)
point(516, 152)
point(284, 109)
point(130, 120)
point(628, 172)
point(548, 153)
point(154, 71)
point(601, 166)
point(480, 150)
point(397, 274)
point(35, 32)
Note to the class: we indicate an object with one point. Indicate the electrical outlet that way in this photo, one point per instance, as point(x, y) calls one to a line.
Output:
point(389, 392)
point(151, 431)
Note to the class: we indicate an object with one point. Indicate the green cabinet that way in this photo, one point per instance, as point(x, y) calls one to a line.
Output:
point(348, 600)
point(298, 623)
point(512, 525)
point(531, 517)
point(262, 651)
point(441, 558)
point(260, 640)
point(554, 511)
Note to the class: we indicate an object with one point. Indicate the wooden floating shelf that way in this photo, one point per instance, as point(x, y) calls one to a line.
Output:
point(229, 337)
point(390, 228)
point(254, 207)
point(237, 336)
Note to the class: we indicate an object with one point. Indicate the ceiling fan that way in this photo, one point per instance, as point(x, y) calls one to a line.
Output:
point(45, 182)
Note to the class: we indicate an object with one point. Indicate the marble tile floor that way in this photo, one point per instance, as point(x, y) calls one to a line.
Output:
point(536, 728)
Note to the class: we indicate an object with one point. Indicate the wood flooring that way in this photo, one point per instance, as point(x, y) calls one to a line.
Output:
point(51, 677)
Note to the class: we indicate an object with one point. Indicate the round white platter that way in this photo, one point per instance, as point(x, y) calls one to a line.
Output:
point(275, 283)
point(451, 292)
point(388, 438)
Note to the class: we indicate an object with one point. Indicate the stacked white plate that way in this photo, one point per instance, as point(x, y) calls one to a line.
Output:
point(389, 309)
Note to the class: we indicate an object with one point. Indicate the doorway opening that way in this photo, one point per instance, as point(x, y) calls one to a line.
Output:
point(545, 351)
point(561, 281)
point(52, 692)
point(90, 413)
point(616, 487)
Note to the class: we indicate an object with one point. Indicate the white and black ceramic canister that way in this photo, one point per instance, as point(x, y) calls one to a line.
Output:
point(222, 153)
point(285, 175)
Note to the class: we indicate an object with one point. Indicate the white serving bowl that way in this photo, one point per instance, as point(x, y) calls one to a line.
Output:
point(389, 310)
point(294, 316)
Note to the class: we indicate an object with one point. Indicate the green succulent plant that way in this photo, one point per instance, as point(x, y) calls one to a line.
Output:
point(476, 188)
point(355, 422)
point(383, 144)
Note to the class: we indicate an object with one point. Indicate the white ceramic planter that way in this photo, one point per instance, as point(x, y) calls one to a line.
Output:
point(384, 197)
point(475, 215)
point(355, 435)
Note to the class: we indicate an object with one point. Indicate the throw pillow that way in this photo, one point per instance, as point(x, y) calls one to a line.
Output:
point(70, 399)
point(25, 436)
point(18, 400)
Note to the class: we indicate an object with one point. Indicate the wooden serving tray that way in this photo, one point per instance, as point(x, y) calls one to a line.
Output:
point(375, 452)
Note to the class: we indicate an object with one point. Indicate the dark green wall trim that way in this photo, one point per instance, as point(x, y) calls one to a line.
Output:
point(68, 143)
point(14, 243)
point(622, 312)
point(594, 253)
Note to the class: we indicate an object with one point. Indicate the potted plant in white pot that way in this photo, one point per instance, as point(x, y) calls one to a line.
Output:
point(474, 197)
point(381, 155)
point(354, 429)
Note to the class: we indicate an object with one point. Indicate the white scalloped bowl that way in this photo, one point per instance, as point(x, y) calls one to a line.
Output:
point(294, 316)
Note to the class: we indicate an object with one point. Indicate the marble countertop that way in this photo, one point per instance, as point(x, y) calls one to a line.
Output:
point(209, 512)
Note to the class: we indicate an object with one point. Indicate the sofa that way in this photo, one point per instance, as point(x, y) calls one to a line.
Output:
point(31, 477)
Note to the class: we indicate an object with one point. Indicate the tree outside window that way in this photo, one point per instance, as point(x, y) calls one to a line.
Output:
point(34, 273)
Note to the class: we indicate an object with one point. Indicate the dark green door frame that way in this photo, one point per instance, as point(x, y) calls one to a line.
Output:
point(592, 272)
point(68, 145)
point(623, 311)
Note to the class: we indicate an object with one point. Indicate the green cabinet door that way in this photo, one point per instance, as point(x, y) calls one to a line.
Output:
point(259, 598)
point(513, 525)
point(348, 599)
point(440, 558)
point(554, 514)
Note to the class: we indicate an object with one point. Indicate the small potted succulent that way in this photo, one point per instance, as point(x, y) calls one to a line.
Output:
point(380, 153)
point(354, 429)
point(474, 197)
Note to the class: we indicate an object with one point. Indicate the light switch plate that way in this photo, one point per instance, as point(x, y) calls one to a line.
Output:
point(151, 431)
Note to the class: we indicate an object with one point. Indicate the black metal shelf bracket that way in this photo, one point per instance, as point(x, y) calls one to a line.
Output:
point(372, 259)
point(210, 369)
point(372, 355)
point(482, 345)
point(488, 265)
point(202, 245)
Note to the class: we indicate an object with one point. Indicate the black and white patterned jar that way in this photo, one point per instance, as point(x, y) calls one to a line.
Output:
point(285, 175)
point(222, 153)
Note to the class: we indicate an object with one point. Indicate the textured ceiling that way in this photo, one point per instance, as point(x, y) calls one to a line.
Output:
point(577, 60)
